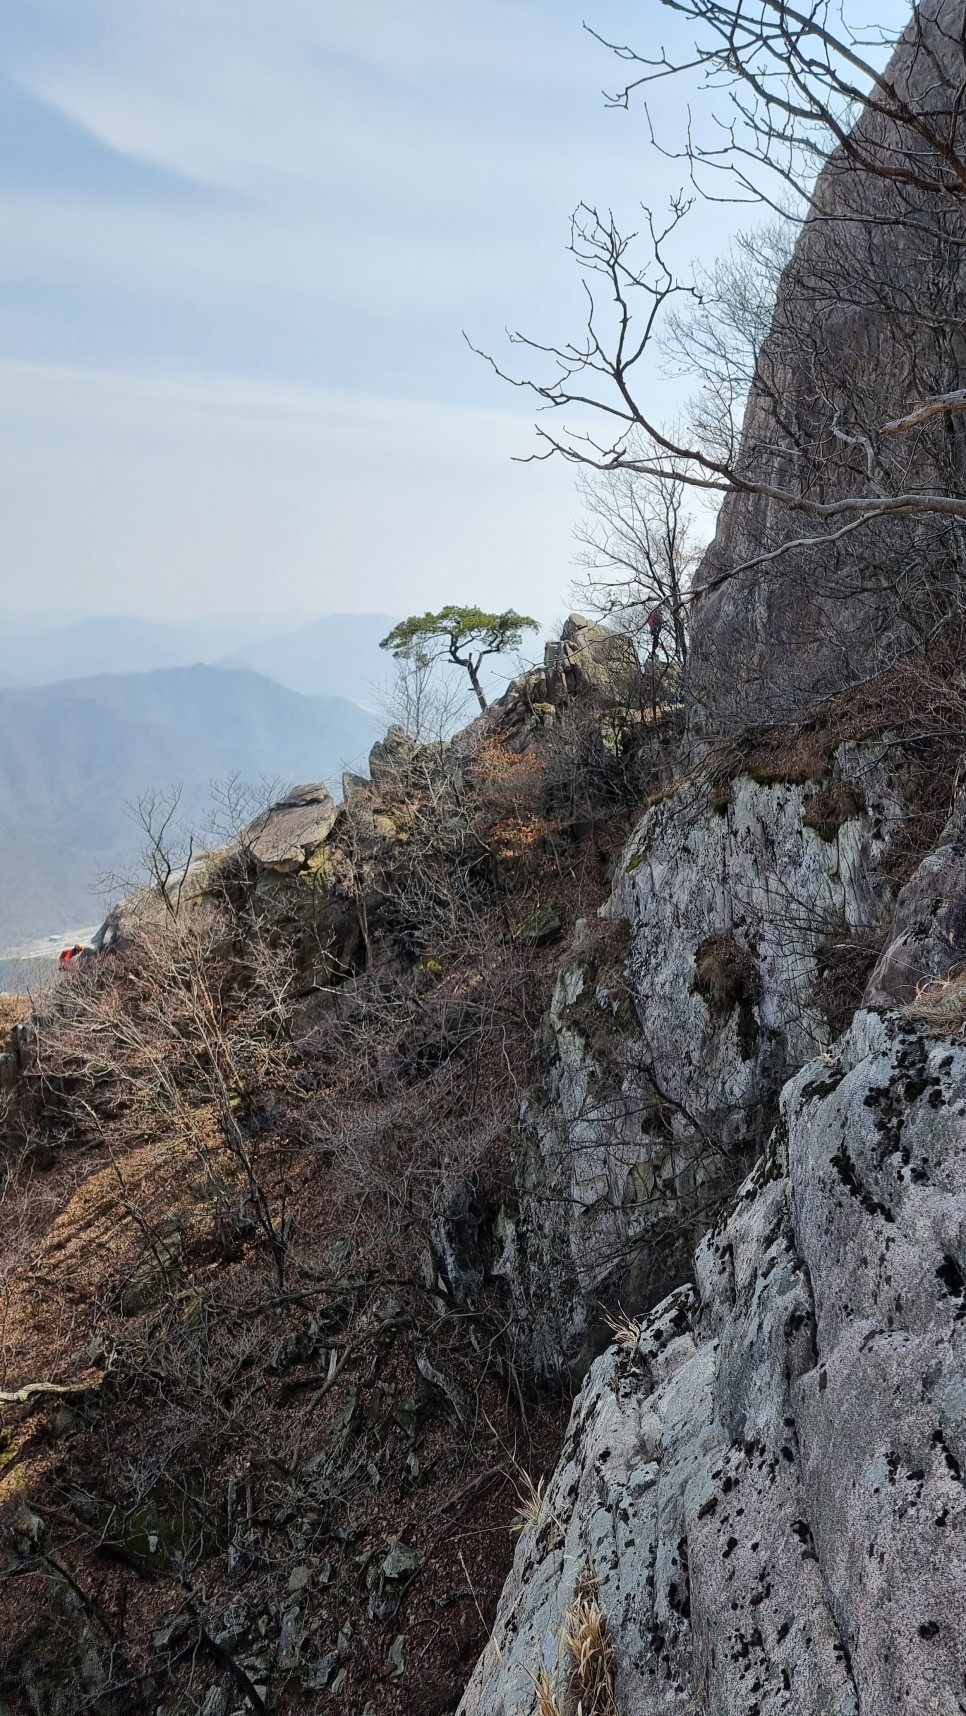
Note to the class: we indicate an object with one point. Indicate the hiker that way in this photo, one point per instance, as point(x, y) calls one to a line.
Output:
point(655, 625)
point(70, 953)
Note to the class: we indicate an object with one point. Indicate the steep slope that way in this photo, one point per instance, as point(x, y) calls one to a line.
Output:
point(254, 1159)
point(76, 756)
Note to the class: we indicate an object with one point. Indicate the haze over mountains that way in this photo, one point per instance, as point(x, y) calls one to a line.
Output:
point(97, 713)
point(336, 656)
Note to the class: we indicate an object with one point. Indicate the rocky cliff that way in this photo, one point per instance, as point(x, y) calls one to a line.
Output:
point(360, 1132)
point(867, 324)
point(677, 1020)
point(759, 1501)
point(762, 1483)
point(759, 1506)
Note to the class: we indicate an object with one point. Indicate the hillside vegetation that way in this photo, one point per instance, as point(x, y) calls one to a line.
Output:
point(256, 1159)
point(76, 759)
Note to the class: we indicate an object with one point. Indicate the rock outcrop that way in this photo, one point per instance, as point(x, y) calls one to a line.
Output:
point(927, 936)
point(665, 1052)
point(867, 324)
point(589, 662)
point(289, 834)
point(764, 1483)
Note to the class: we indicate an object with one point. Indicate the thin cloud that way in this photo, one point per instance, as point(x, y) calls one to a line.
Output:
point(237, 264)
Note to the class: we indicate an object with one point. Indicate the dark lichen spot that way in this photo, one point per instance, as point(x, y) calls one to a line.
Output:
point(951, 1276)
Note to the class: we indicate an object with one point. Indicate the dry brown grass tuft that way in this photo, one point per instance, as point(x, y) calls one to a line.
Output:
point(586, 1641)
point(726, 974)
point(529, 1500)
point(546, 1698)
point(828, 810)
point(625, 1330)
point(941, 1003)
point(585, 1661)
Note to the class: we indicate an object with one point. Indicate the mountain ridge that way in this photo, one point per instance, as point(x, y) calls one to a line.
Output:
point(76, 755)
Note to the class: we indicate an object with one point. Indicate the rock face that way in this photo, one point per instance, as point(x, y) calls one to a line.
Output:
point(665, 1055)
point(767, 1483)
point(588, 661)
point(843, 358)
point(927, 938)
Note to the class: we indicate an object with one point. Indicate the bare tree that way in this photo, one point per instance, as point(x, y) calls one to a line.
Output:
point(843, 466)
point(423, 703)
point(638, 544)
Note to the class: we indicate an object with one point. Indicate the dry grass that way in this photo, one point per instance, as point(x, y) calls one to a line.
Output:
point(530, 1502)
point(827, 811)
point(726, 975)
point(625, 1330)
point(941, 1003)
point(587, 1657)
point(546, 1699)
point(586, 1641)
point(14, 1009)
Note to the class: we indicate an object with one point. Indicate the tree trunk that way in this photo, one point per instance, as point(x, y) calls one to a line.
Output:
point(477, 687)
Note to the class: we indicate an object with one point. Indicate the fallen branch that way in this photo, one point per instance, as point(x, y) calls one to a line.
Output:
point(32, 1390)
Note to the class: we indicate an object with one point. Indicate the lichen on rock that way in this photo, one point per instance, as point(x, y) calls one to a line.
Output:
point(769, 1482)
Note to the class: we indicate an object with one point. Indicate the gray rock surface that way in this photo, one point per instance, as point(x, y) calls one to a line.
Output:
point(590, 662)
point(845, 356)
point(768, 1486)
point(286, 835)
point(927, 938)
point(664, 1058)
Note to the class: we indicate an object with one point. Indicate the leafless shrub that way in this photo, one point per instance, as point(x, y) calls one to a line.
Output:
point(827, 810)
point(726, 975)
point(844, 962)
point(639, 546)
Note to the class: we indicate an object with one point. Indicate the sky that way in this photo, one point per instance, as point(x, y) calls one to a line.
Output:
point(240, 244)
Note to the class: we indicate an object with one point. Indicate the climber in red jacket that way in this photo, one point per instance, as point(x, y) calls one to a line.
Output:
point(70, 953)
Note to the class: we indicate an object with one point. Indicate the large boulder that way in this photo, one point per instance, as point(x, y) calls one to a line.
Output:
point(592, 659)
point(392, 758)
point(287, 835)
point(761, 1488)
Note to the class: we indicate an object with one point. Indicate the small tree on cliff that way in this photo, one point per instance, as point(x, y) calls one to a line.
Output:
point(464, 636)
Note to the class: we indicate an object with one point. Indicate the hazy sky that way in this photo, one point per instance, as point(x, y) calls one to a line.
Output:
point(240, 241)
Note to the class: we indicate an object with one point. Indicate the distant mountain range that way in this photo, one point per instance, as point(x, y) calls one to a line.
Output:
point(337, 656)
point(76, 755)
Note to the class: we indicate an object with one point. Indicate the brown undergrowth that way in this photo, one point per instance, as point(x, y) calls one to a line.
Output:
point(248, 1231)
point(916, 715)
point(917, 711)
